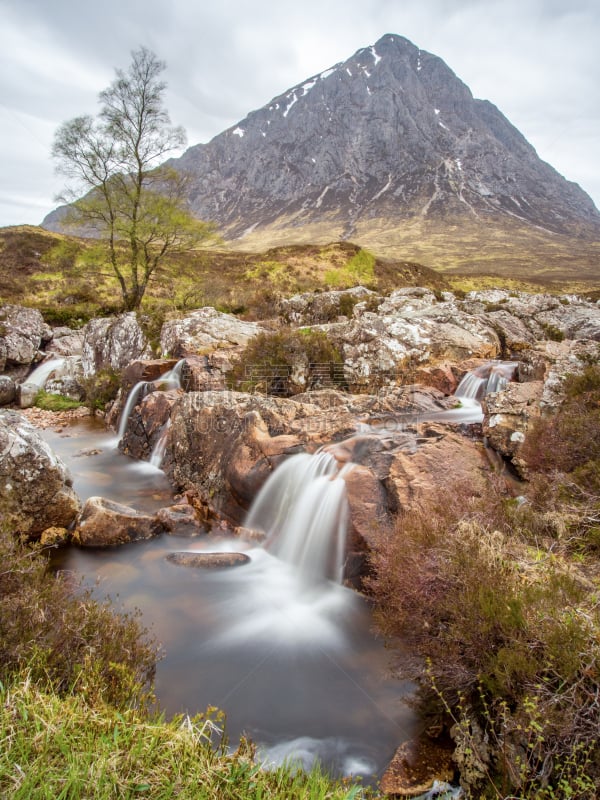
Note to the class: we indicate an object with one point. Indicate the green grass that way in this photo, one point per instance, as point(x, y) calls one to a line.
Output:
point(69, 281)
point(55, 402)
point(54, 749)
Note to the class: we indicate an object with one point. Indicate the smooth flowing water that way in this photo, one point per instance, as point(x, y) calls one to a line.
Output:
point(293, 662)
point(40, 374)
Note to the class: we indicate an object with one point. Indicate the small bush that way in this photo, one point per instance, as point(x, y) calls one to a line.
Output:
point(64, 641)
point(513, 641)
point(552, 332)
point(280, 363)
point(101, 388)
point(360, 270)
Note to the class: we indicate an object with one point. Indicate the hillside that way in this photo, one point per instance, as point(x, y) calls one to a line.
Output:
point(67, 278)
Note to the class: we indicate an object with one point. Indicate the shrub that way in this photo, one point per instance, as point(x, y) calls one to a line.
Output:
point(101, 388)
point(280, 362)
point(67, 641)
point(511, 635)
point(552, 332)
point(360, 270)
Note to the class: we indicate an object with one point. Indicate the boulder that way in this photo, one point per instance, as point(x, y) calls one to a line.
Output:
point(112, 343)
point(225, 444)
point(317, 308)
point(22, 333)
point(508, 415)
point(529, 318)
point(417, 764)
point(104, 523)
point(410, 328)
point(181, 520)
point(66, 342)
point(147, 422)
point(204, 331)
point(37, 489)
point(8, 390)
point(414, 477)
point(66, 386)
point(208, 560)
point(26, 394)
point(139, 371)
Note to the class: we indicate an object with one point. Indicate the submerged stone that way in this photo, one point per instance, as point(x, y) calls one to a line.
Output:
point(208, 560)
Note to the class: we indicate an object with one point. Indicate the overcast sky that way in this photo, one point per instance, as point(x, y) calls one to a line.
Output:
point(537, 60)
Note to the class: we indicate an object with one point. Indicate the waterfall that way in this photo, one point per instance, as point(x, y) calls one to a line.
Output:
point(173, 376)
point(40, 374)
point(491, 377)
point(303, 510)
point(132, 399)
point(158, 451)
point(170, 380)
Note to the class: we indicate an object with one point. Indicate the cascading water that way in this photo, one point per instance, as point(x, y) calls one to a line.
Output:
point(40, 374)
point(173, 376)
point(484, 380)
point(158, 452)
point(303, 510)
point(132, 399)
point(170, 380)
point(475, 385)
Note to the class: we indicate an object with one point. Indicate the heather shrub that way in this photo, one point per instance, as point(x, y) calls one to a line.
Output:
point(282, 362)
point(511, 637)
point(63, 639)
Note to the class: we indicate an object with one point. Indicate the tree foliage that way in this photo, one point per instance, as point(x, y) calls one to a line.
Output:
point(132, 202)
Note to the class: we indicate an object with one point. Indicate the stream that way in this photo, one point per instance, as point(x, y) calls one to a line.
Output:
point(295, 665)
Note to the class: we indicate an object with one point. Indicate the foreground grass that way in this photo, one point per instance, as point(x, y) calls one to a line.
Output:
point(63, 748)
point(77, 716)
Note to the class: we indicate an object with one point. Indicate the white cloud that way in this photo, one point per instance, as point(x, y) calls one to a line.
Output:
point(535, 59)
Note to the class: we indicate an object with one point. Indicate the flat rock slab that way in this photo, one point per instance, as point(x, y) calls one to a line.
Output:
point(209, 560)
point(415, 766)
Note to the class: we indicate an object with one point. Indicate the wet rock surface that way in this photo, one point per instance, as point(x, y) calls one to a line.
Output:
point(104, 523)
point(208, 560)
point(416, 765)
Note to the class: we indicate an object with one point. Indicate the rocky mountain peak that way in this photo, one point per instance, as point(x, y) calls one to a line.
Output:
point(382, 149)
point(389, 134)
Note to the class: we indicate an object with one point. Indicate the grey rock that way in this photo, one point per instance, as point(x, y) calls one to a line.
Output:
point(35, 486)
point(22, 333)
point(112, 343)
point(8, 390)
point(66, 342)
point(204, 331)
point(26, 394)
point(209, 560)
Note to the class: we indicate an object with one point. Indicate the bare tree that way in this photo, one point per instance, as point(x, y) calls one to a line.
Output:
point(133, 204)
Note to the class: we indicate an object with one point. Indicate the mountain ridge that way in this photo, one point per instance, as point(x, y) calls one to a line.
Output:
point(388, 148)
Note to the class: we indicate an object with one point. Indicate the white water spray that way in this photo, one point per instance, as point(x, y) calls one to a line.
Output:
point(303, 509)
point(40, 374)
point(158, 452)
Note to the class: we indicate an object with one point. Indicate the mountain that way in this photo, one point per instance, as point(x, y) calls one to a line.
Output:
point(389, 149)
